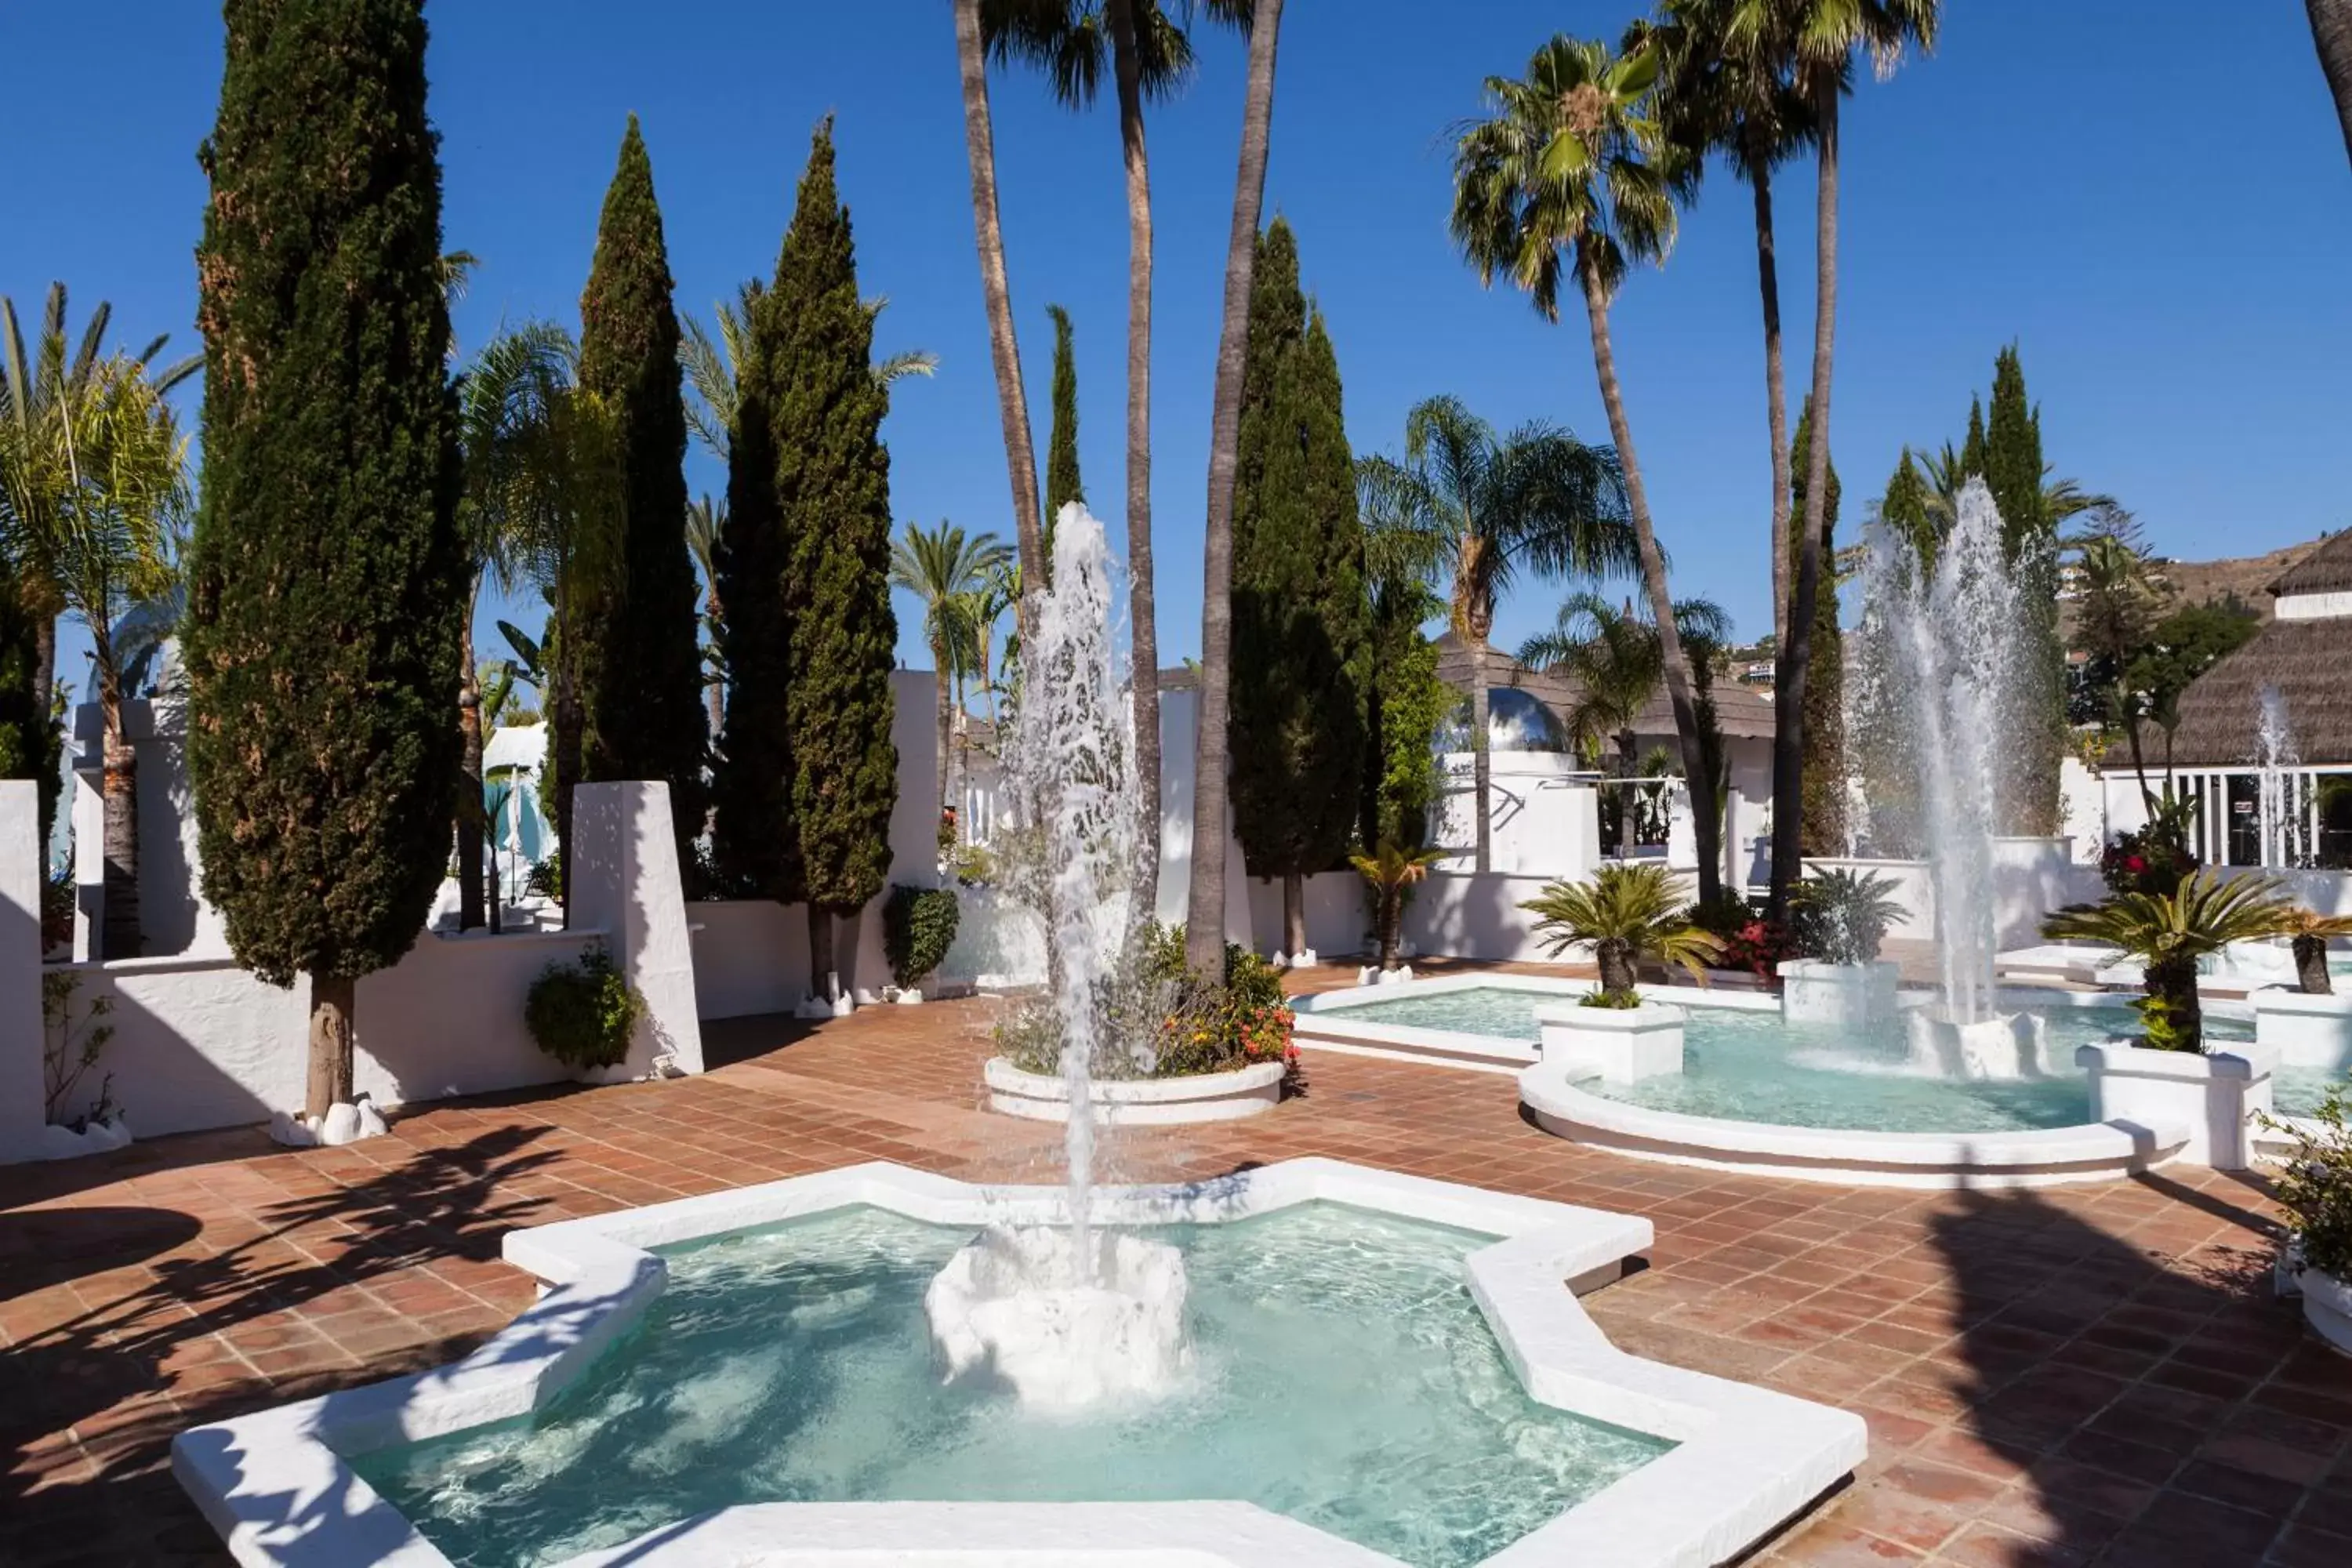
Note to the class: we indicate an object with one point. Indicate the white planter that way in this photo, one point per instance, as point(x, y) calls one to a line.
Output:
point(1370, 975)
point(1812, 992)
point(1622, 1044)
point(1139, 1101)
point(2328, 1308)
point(2216, 1095)
point(2307, 1030)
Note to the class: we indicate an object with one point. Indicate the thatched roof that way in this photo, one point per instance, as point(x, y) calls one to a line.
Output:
point(2311, 664)
point(1740, 711)
point(2326, 570)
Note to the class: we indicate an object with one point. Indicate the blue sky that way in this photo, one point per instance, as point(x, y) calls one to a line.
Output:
point(2153, 206)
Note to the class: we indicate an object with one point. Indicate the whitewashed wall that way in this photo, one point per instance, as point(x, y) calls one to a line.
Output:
point(1541, 808)
point(21, 861)
point(1179, 724)
point(1463, 914)
point(2031, 877)
point(1339, 918)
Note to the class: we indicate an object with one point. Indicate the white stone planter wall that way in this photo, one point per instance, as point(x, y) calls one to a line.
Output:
point(1812, 992)
point(1621, 1045)
point(2307, 1030)
point(2328, 1308)
point(2216, 1095)
point(1137, 1102)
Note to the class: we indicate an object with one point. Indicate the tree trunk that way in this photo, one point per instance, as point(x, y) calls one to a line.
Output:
point(1003, 346)
point(820, 924)
point(1293, 914)
point(2139, 762)
point(333, 999)
point(714, 692)
point(1142, 623)
point(45, 674)
point(2175, 982)
point(2311, 966)
point(471, 825)
point(2331, 31)
point(943, 717)
point(1616, 967)
point(1775, 395)
point(1392, 926)
point(1482, 767)
point(1796, 651)
point(120, 934)
point(1204, 936)
point(1654, 569)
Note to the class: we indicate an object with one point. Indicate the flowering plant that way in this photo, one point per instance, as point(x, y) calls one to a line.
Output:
point(1758, 945)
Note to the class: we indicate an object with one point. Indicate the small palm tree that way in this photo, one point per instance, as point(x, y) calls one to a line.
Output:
point(2311, 930)
point(940, 566)
point(1625, 914)
point(706, 523)
point(1475, 510)
point(2168, 932)
point(1842, 916)
point(1392, 874)
point(713, 361)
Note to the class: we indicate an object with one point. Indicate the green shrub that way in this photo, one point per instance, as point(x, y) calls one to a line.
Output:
point(1842, 916)
point(1616, 1001)
point(1156, 1022)
point(583, 1013)
point(2316, 1189)
point(918, 926)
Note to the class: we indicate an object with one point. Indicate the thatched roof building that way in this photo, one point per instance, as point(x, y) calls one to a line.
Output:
point(1741, 712)
point(2305, 651)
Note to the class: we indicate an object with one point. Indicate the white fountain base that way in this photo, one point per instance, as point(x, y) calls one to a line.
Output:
point(2003, 1048)
point(1012, 1308)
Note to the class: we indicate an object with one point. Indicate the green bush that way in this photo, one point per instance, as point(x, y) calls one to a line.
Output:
point(2316, 1189)
point(1155, 1021)
point(918, 926)
point(1842, 916)
point(583, 1013)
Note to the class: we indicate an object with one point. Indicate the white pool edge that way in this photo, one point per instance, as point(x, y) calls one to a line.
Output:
point(277, 1485)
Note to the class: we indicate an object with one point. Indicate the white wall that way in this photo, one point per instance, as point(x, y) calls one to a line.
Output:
point(2031, 877)
point(1541, 813)
point(1463, 914)
point(1338, 920)
point(173, 916)
point(21, 859)
point(1179, 724)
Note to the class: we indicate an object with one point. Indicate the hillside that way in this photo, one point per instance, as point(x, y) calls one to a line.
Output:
point(2246, 576)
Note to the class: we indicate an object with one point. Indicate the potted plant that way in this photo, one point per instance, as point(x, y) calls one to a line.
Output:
point(1625, 914)
point(584, 1013)
point(1392, 874)
point(2315, 1190)
point(1840, 919)
point(2310, 1025)
point(918, 926)
point(2165, 1078)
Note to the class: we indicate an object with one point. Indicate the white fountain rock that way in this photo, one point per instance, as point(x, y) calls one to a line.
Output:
point(1812, 992)
point(1013, 1306)
point(346, 1121)
point(1998, 1049)
point(96, 1138)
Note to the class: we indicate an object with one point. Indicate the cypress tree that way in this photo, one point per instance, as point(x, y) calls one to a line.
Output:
point(640, 657)
point(1903, 509)
point(1063, 484)
point(2013, 473)
point(1972, 449)
point(1824, 794)
point(755, 846)
point(833, 492)
point(326, 576)
point(2012, 453)
point(1297, 727)
point(30, 743)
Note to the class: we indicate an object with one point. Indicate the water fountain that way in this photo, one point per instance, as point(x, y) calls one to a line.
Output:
point(2282, 819)
point(1951, 632)
point(1059, 1314)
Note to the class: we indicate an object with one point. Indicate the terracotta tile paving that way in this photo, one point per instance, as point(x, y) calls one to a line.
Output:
point(2079, 1375)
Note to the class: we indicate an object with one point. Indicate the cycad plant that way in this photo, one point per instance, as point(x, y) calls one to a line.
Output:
point(2310, 931)
point(2168, 932)
point(1625, 914)
point(1842, 916)
point(1392, 874)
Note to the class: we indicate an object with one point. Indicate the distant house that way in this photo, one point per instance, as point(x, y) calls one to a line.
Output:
point(2217, 752)
point(512, 759)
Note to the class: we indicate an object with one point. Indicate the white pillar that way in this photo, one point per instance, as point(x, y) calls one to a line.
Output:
point(22, 1033)
point(625, 884)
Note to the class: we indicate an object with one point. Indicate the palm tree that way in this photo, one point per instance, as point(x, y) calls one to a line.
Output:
point(1204, 922)
point(95, 495)
point(2118, 599)
point(1570, 172)
point(939, 567)
point(2331, 33)
point(706, 521)
point(2168, 932)
point(34, 393)
point(1152, 58)
point(710, 360)
point(1392, 874)
point(1475, 511)
point(1625, 914)
point(1003, 346)
point(1820, 37)
point(2310, 931)
point(1725, 91)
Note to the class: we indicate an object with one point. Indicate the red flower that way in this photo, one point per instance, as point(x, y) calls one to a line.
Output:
point(2135, 864)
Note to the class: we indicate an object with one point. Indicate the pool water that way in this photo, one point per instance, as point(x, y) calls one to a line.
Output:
point(1343, 1376)
point(1750, 1065)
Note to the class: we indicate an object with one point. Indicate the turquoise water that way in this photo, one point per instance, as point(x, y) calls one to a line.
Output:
point(1752, 1067)
point(1343, 1376)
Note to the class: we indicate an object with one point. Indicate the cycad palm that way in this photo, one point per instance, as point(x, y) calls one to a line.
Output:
point(2168, 932)
point(1150, 59)
point(1625, 914)
point(1392, 874)
point(938, 566)
point(1571, 176)
point(1476, 509)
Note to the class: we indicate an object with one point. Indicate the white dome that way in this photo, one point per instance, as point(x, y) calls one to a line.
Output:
point(1517, 721)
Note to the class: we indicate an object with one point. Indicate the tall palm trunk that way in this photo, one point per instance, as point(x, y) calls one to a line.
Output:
point(714, 694)
point(471, 824)
point(1797, 648)
point(1004, 348)
point(942, 716)
point(120, 933)
point(1654, 569)
point(2331, 32)
point(332, 1000)
point(1482, 767)
point(44, 667)
point(1205, 935)
point(1776, 393)
point(1141, 622)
